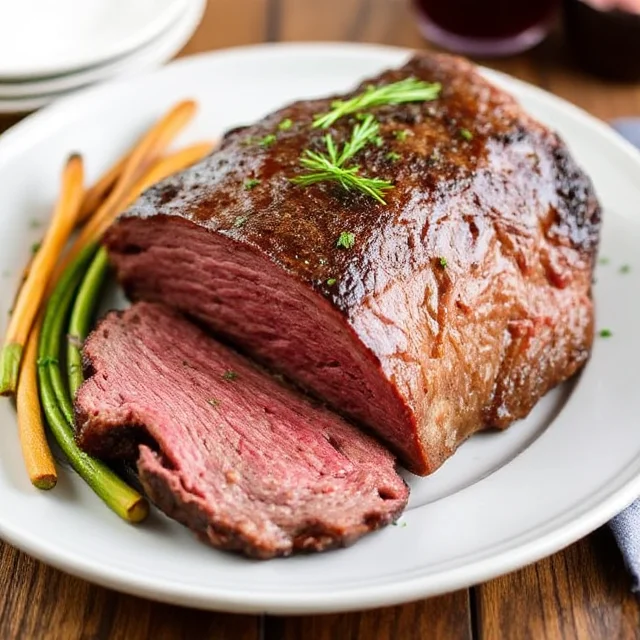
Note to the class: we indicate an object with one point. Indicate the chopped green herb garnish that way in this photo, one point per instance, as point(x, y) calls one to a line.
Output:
point(346, 240)
point(393, 156)
point(47, 360)
point(35, 247)
point(287, 123)
point(603, 261)
point(240, 221)
point(466, 134)
point(443, 262)
point(378, 141)
point(230, 376)
point(331, 281)
point(268, 140)
point(402, 134)
point(625, 268)
point(407, 90)
point(251, 183)
point(606, 333)
point(213, 402)
point(330, 166)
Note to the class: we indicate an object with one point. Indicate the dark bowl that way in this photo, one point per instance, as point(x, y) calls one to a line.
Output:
point(606, 43)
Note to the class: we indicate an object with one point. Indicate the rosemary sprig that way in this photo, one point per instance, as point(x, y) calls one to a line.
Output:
point(407, 90)
point(331, 166)
point(348, 178)
point(363, 133)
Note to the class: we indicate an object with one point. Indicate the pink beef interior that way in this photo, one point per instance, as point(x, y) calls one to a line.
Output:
point(242, 296)
point(243, 460)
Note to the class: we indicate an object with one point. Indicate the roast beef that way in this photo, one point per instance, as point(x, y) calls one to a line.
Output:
point(461, 301)
point(247, 463)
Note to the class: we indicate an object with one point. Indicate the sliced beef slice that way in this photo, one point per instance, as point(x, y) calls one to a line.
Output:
point(246, 462)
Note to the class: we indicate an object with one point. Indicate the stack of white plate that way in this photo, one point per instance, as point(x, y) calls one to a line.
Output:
point(50, 48)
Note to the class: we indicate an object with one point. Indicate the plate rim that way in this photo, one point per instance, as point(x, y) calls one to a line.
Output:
point(125, 46)
point(562, 531)
point(145, 58)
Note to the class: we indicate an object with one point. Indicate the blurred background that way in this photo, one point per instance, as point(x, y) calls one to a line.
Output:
point(587, 51)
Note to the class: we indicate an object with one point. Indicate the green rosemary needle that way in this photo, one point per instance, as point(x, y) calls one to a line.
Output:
point(330, 166)
point(407, 90)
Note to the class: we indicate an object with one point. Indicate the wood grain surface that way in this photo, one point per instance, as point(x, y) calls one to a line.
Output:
point(582, 592)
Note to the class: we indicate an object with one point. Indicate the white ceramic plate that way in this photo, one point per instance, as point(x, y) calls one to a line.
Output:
point(42, 38)
point(155, 52)
point(20, 97)
point(504, 500)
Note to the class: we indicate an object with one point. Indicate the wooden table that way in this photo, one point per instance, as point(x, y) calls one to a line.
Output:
point(582, 592)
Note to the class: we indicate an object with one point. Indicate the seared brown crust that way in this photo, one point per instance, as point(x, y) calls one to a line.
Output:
point(469, 345)
point(437, 164)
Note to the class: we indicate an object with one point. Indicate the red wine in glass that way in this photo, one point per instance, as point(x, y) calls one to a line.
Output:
point(485, 27)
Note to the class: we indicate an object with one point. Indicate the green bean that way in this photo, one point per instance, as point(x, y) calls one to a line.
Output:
point(82, 314)
point(58, 406)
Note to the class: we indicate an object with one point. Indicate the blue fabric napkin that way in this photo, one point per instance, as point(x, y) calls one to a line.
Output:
point(626, 530)
point(626, 525)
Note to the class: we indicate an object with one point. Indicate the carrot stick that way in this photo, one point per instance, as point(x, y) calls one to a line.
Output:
point(147, 151)
point(173, 163)
point(102, 220)
point(151, 145)
point(98, 192)
point(83, 310)
point(35, 448)
point(36, 452)
point(126, 179)
point(94, 196)
point(30, 298)
point(162, 169)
